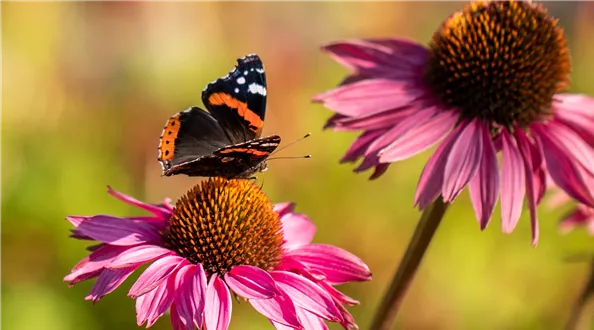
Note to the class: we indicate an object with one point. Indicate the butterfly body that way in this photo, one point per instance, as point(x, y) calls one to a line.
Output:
point(225, 140)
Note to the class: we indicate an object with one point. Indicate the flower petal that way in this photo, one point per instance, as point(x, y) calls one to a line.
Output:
point(431, 180)
point(155, 274)
point(283, 208)
point(484, 187)
point(307, 295)
point(118, 231)
point(397, 58)
point(279, 309)
point(378, 121)
point(108, 281)
point(337, 295)
point(95, 262)
point(573, 144)
point(298, 229)
point(176, 321)
point(360, 146)
point(368, 97)
point(251, 282)
point(463, 161)
point(152, 305)
point(139, 255)
point(580, 216)
point(513, 183)
point(531, 194)
point(338, 265)
point(161, 212)
point(218, 307)
point(563, 169)
point(419, 138)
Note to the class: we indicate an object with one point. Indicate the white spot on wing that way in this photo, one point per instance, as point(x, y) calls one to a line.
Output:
point(236, 90)
point(241, 80)
point(245, 73)
point(259, 70)
point(257, 89)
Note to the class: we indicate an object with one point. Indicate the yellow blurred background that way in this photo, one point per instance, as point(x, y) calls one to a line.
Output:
point(87, 87)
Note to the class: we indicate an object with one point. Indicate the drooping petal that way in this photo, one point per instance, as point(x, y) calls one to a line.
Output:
point(368, 97)
point(176, 320)
point(513, 183)
point(538, 170)
point(251, 282)
point(298, 229)
point(308, 321)
point(199, 288)
point(359, 147)
point(419, 138)
point(183, 306)
point(161, 212)
point(378, 121)
point(337, 295)
point(463, 161)
point(152, 305)
point(218, 307)
point(118, 231)
point(307, 295)
point(531, 193)
point(108, 281)
point(94, 263)
point(396, 58)
point(338, 265)
point(581, 216)
point(574, 145)
point(431, 180)
point(139, 255)
point(279, 309)
point(563, 169)
point(484, 187)
point(155, 274)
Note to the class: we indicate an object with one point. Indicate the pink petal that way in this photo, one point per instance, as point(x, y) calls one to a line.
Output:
point(117, 231)
point(524, 145)
point(419, 138)
point(484, 187)
point(563, 169)
point(573, 144)
point(463, 161)
point(400, 129)
point(283, 208)
point(217, 310)
point(154, 304)
point(161, 212)
point(378, 121)
point(297, 229)
point(368, 97)
point(337, 295)
point(251, 282)
point(95, 262)
point(431, 181)
point(155, 274)
point(378, 171)
point(360, 146)
point(183, 306)
point(308, 321)
point(338, 265)
point(513, 183)
point(580, 216)
point(108, 281)
point(539, 174)
point(396, 58)
point(138, 255)
point(176, 321)
point(307, 295)
point(279, 309)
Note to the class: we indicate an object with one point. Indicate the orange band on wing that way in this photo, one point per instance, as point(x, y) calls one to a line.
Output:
point(254, 152)
point(241, 107)
point(168, 136)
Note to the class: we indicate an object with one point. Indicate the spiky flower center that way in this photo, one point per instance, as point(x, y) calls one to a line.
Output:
point(500, 61)
point(224, 223)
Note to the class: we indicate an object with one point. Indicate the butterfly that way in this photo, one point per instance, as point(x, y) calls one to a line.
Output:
point(226, 140)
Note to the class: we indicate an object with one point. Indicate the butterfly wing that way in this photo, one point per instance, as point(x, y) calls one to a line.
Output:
point(238, 100)
point(188, 136)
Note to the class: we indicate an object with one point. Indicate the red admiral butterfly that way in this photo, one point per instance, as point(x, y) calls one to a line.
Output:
point(225, 141)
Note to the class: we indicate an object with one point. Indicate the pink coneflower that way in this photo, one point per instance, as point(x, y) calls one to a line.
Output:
point(488, 84)
point(580, 216)
point(223, 237)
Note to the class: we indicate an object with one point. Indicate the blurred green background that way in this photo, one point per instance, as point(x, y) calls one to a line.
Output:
point(87, 87)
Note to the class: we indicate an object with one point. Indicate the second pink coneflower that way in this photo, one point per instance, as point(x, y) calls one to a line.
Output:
point(489, 83)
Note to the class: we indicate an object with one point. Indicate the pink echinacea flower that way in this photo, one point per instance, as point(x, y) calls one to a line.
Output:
point(488, 85)
point(223, 238)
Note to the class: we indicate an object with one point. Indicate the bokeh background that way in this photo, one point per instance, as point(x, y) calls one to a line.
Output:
point(87, 87)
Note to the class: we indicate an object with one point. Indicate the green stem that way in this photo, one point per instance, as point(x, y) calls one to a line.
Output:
point(426, 228)
point(580, 303)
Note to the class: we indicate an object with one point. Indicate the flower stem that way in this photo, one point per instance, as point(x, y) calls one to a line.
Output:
point(426, 228)
point(580, 303)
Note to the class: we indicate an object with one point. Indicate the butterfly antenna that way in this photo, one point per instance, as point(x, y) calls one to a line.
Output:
point(290, 144)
